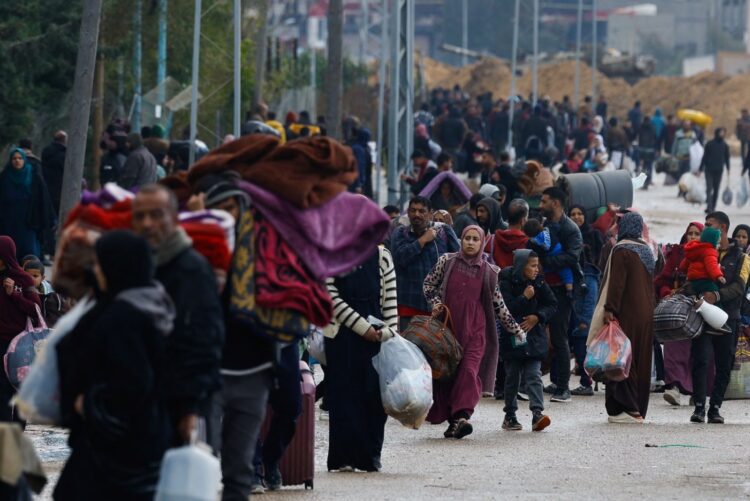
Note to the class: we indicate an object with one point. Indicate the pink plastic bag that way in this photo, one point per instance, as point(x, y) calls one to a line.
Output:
point(609, 356)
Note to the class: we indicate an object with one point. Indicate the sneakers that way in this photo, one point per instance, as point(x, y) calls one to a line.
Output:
point(487, 394)
point(257, 487)
point(672, 396)
point(713, 415)
point(450, 431)
point(510, 423)
point(583, 391)
point(539, 421)
point(625, 418)
point(658, 387)
point(324, 416)
point(699, 415)
point(273, 477)
point(522, 395)
point(463, 428)
point(346, 469)
point(561, 396)
point(550, 388)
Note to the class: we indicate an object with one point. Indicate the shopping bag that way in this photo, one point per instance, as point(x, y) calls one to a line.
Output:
point(23, 349)
point(696, 156)
point(38, 398)
point(405, 381)
point(316, 346)
point(609, 356)
point(739, 377)
point(742, 193)
point(436, 340)
point(727, 195)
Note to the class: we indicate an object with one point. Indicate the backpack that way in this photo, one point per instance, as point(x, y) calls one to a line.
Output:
point(436, 340)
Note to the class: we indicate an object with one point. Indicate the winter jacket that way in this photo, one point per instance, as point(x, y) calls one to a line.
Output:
point(567, 233)
point(139, 169)
point(543, 304)
point(671, 277)
point(502, 244)
point(701, 261)
point(735, 264)
point(195, 345)
point(715, 156)
point(53, 165)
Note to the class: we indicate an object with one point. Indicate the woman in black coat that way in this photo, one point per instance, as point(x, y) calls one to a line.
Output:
point(532, 304)
point(110, 375)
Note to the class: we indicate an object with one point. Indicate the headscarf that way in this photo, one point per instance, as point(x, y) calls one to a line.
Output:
point(631, 228)
point(20, 177)
point(585, 227)
point(741, 227)
point(125, 260)
point(698, 225)
point(472, 260)
point(12, 269)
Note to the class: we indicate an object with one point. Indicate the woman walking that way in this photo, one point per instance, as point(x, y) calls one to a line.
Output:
point(468, 285)
point(678, 378)
point(627, 296)
point(25, 207)
point(18, 301)
point(110, 373)
point(357, 418)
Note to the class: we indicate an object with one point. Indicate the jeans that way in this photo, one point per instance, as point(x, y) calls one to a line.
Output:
point(713, 186)
point(558, 331)
point(242, 402)
point(532, 377)
point(285, 400)
point(723, 348)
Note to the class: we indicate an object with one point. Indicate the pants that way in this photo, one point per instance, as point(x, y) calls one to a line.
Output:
point(744, 148)
point(658, 361)
point(723, 348)
point(285, 400)
point(579, 351)
point(713, 184)
point(242, 402)
point(558, 331)
point(532, 378)
point(647, 166)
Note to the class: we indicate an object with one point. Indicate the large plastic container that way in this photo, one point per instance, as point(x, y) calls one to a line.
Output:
point(597, 189)
point(189, 473)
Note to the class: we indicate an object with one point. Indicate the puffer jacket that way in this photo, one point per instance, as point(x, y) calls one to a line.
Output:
point(701, 261)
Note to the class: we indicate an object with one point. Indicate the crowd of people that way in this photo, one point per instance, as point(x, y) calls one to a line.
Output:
point(233, 261)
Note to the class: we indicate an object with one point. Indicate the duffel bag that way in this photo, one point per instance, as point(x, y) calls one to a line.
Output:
point(437, 342)
point(675, 319)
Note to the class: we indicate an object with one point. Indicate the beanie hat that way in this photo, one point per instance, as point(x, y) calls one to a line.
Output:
point(711, 236)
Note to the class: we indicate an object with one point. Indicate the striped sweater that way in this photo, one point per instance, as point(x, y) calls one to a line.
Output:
point(344, 315)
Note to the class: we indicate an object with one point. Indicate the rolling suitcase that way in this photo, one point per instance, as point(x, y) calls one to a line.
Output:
point(297, 465)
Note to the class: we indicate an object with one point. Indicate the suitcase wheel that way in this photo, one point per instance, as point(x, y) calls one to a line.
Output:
point(308, 484)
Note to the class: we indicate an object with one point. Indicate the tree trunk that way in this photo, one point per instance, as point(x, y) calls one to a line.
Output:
point(334, 72)
point(98, 125)
point(80, 107)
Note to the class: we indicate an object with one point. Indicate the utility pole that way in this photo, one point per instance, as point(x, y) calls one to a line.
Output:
point(594, 62)
point(194, 87)
point(577, 84)
point(513, 63)
point(334, 72)
point(381, 94)
point(237, 66)
point(80, 107)
point(260, 49)
point(464, 31)
point(535, 63)
point(137, 57)
point(161, 53)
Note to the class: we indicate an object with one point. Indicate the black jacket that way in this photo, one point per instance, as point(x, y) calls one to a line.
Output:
point(715, 156)
point(543, 304)
point(42, 215)
point(53, 166)
point(195, 345)
point(569, 235)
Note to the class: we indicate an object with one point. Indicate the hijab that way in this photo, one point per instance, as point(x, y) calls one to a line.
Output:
point(631, 228)
point(20, 177)
point(585, 227)
point(472, 260)
point(125, 260)
point(700, 227)
point(12, 269)
point(741, 227)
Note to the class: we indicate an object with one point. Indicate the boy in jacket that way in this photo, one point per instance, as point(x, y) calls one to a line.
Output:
point(532, 304)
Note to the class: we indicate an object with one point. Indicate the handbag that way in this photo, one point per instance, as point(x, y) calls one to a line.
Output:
point(675, 319)
point(436, 340)
point(23, 349)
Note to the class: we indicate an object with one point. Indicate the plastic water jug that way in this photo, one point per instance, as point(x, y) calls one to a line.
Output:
point(189, 473)
point(713, 315)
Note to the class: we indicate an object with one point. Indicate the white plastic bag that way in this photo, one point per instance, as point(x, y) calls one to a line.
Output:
point(317, 347)
point(38, 398)
point(405, 381)
point(742, 193)
point(694, 188)
point(189, 473)
point(696, 156)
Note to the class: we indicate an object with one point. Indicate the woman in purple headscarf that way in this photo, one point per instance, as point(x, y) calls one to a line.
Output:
point(468, 285)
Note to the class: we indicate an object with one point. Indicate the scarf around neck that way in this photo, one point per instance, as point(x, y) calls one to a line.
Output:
point(173, 245)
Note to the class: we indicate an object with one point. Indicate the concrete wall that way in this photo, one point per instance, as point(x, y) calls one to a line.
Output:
point(627, 33)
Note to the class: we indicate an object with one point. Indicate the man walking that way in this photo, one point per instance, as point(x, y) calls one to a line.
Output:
point(191, 373)
point(567, 233)
point(715, 158)
point(140, 167)
point(415, 250)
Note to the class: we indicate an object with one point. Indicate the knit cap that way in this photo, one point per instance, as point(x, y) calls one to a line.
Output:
point(711, 236)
